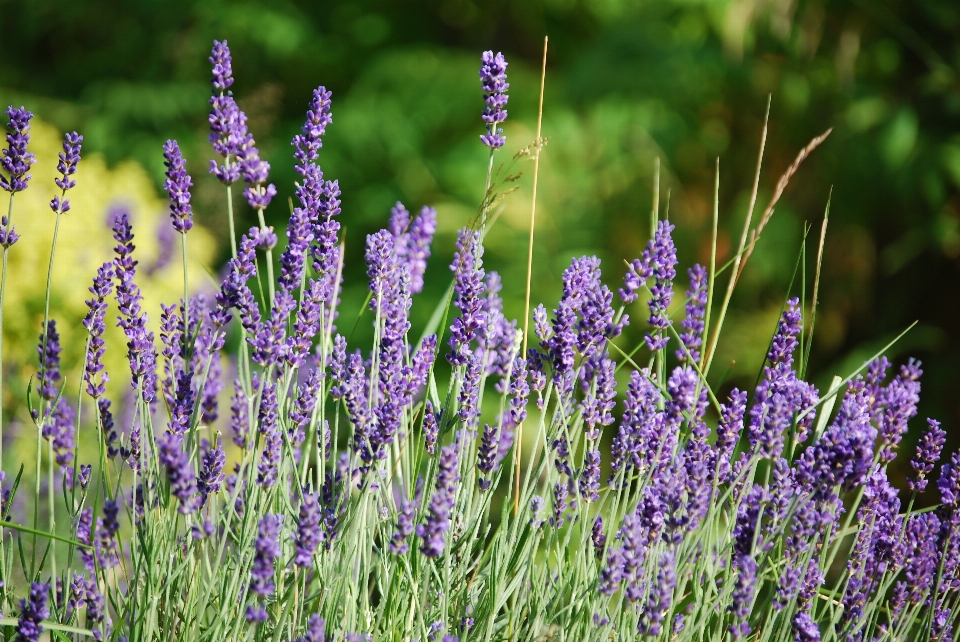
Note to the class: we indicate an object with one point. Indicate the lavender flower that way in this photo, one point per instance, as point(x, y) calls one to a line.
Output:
point(744, 592)
point(437, 521)
point(309, 531)
point(309, 141)
point(806, 628)
point(778, 395)
point(486, 455)
point(267, 550)
point(728, 431)
point(48, 350)
point(467, 291)
point(536, 512)
point(693, 322)
point(15, 160)
point(140, 351)
point(8, 234)
point(98, 618)
point(69, 158)
point(949, 483)
point(255, 171)
point(590, 476)
point(239, 417)
point(177, 185)
point(108, 535)
point(268, 469)
point(316, 630)
point(422, 229)
point(844, 453)
point(405, 520)
point(598, 537)
point(211, 473)
point(228, 125)
point(33, 611)
point(431, 428)
point(94, 323)
point(493, 80)
point(180, 471)
point(661, 595)
point(598, 404)
point(894, 405)
point(658, 261)
point(928, 452)
point(83, 476)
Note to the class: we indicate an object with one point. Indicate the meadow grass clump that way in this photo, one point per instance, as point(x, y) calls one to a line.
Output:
point(368, 493)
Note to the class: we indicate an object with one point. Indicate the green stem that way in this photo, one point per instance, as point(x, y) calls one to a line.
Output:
point(186, 303)
point(233, 234)
point(46, 311)
point(270, 285)
point(3, 288)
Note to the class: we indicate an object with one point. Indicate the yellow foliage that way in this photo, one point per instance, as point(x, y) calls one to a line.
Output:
point(85, 242)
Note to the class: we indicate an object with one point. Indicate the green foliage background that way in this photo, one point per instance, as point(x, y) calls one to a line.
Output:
point(628, 81)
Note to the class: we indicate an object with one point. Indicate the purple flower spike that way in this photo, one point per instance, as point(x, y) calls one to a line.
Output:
point(222, 66)
point(658, 261)
point(94, 323)
point(48, 349)
point(316, 630)
point(15, 159)
point(309, 531)
point(255, 171)
point(590, 477)
point(180, 471)
point(405, 521)
point(211, 473)
point(468, 289)
point(430, 428)
point(228, 125)
point(493, 80)
point(33, 611)
point(67, 166)
point(661, 595)
point(928, 453)
point(267, 550)
point(692, 336)
point(949, 483)
point(178, 186)
point(437, 522)
point(309, 142)
point(141, 352)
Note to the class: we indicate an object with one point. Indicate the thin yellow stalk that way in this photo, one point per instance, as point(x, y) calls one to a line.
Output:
point(526, 304)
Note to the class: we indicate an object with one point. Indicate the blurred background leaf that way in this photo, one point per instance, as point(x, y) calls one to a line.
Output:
point(628, 81)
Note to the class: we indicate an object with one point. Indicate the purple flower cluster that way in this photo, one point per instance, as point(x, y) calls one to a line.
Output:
point(67, 163)
point(493, 80)
point(693, 322)
point(267, 550)
point(658, 262)
point(228, 125)
point(140, 350)
point(406, 520)
point(309, 529)
point(468, 289)
point(94, 323)
point(15, 160)
point(178, 186)
point(780, 395)
point(928, 453)
point(33, 611)
point(437, 520)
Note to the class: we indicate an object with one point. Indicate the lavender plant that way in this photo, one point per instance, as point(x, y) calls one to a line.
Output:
point(363, 491)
